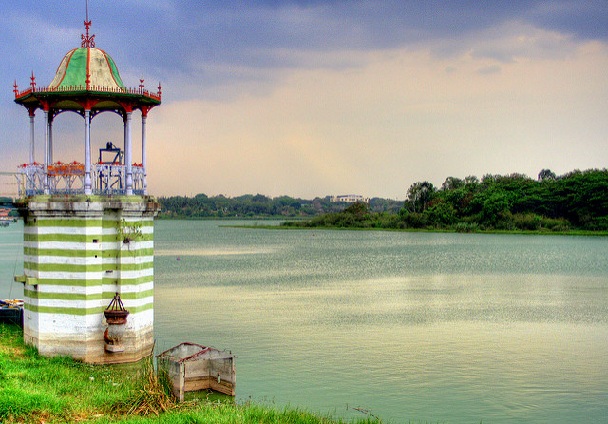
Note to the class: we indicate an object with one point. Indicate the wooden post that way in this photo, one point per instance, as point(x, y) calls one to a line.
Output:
point(182, 380)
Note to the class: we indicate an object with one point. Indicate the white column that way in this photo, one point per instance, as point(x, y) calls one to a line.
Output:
point(32, 115)
point(143, 152)
point(123, 173)
point(87, 152)
point(46, 152)
point(50, 130)
point(128, 155)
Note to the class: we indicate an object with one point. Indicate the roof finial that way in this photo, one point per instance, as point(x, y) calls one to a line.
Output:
point(87, 41)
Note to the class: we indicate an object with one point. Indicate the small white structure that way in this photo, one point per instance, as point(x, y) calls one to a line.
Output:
point(349, 198)
point(193, 367)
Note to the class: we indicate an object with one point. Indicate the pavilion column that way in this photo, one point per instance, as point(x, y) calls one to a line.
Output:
point(123, 177)
point(46, 152)
point(32, 112)
point(87, 152)
point(144, 116)
point(128, 154)
point(50, 132)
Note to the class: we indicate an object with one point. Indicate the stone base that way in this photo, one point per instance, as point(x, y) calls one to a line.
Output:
point(93, 352)
point(113, 348)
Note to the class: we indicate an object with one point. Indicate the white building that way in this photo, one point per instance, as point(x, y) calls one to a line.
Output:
point(349, 198)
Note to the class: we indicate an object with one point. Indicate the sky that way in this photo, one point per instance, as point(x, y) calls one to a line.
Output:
point(309, 98)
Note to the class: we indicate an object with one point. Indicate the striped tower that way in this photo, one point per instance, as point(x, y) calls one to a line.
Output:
point(77, 256)
point(88, 235)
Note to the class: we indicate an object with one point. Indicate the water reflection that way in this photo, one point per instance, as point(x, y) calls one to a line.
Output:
point(431, 327)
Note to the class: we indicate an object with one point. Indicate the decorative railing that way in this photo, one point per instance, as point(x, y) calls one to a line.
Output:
point(30, 179)
point(68, 178)
point(110, 178)
point(124, 90)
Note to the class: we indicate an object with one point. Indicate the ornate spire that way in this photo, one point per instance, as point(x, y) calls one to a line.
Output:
point(88, 41)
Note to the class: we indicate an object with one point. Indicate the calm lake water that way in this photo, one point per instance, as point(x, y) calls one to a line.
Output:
point(419, 327)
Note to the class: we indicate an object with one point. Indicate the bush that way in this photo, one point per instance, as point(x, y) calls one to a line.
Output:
point(466, 227)
point(441, 214)
point(414, 220)
point(527, 221)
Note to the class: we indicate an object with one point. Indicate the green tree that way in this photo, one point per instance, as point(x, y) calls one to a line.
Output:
point(452, 183)
point(495, 207)
point(546, 174)
point(419, 196)
point(441, 214)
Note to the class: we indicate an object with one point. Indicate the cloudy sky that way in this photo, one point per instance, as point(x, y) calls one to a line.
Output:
point(317, 97)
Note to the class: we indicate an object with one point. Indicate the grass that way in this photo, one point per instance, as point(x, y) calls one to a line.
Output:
point(35, 389)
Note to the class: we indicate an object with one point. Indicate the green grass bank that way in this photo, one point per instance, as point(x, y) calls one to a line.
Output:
point(35, 389)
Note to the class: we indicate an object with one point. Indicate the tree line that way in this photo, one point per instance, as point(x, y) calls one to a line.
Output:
point(577, 200)
point(259, 206)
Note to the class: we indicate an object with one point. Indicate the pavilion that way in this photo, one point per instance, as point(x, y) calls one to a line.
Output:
point(88, 233)
point(87, 82)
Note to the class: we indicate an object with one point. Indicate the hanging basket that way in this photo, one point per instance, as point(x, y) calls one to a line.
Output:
point(115, 313)
point(116, 317)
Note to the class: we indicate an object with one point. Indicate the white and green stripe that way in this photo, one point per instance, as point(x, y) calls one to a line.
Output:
point(78, 252)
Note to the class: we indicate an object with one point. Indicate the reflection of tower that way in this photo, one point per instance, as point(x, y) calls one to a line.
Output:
point(88, 227)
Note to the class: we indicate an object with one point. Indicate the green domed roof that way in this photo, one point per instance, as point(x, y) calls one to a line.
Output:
point(83, 61)
point(87, 77)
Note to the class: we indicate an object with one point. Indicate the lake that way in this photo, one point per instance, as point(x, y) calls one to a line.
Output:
point(418, 327)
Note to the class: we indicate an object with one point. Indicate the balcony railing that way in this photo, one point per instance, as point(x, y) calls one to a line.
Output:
point(68, 178)
point(100, 89)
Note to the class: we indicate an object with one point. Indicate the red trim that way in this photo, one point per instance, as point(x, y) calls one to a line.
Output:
point(88, 75)
point(127, 106)
point(87, 41)
point(46, 106)
point(67, 59)
point(105, 56)
point(24, 93)
point(88, 104)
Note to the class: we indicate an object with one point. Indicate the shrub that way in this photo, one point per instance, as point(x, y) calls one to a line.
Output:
point(414, 220)
point(527, 221)
point(466, 227)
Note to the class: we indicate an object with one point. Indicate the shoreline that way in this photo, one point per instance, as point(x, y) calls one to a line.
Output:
point(38, 389)
point(571, 233)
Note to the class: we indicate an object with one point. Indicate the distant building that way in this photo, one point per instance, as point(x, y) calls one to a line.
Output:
point(349, 198)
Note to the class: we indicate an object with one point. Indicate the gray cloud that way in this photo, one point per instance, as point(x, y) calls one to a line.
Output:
point(411, 87)
point(168, 37)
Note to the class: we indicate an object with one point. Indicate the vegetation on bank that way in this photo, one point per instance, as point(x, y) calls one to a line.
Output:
point(259, 206)
point(34, 389)
point(571, 203)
